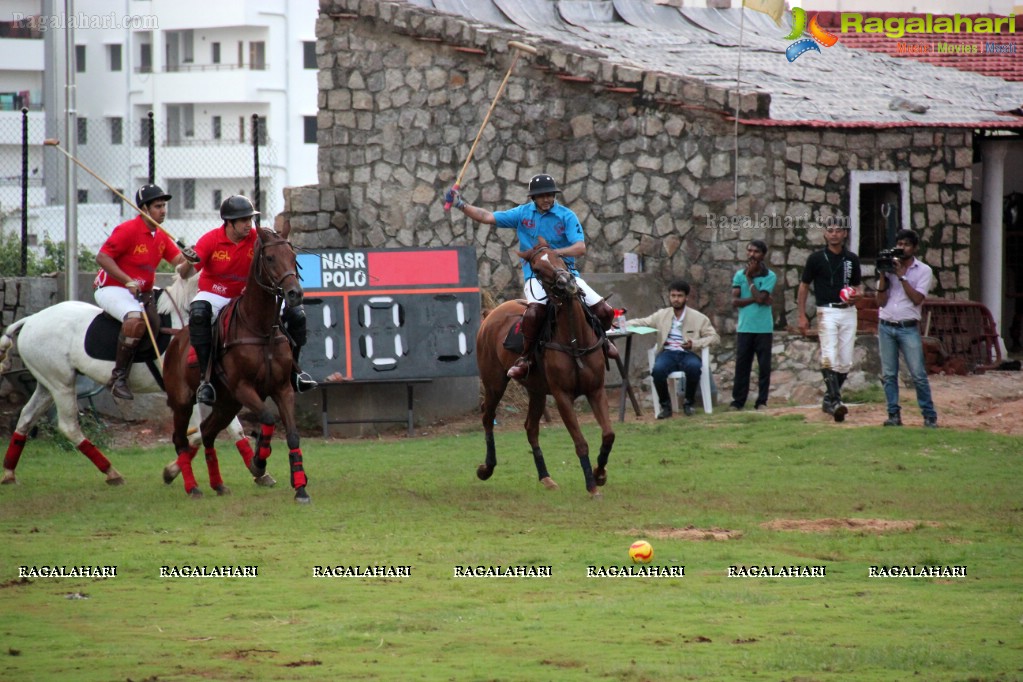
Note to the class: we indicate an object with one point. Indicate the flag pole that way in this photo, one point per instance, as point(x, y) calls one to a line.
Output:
point(738, 98)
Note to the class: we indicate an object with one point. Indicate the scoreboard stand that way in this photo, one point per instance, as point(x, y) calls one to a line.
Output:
point(408, 418)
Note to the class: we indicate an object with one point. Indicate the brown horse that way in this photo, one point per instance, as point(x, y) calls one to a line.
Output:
point(253, 361)
point(570, 364)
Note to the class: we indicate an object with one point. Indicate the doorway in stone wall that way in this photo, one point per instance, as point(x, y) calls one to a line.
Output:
point(879, 208)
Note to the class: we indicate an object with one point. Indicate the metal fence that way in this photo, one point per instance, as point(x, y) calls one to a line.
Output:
point(200, 165)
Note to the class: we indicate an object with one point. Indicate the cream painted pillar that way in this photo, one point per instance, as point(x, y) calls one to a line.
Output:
point(992, 246)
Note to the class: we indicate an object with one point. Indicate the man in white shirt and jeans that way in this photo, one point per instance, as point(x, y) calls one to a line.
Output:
point(900, 296)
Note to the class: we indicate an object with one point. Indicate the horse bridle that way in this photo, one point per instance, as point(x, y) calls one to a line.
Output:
point(555, 289)
point(274, 288)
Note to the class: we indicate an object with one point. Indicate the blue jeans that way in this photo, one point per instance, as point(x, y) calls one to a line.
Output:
point(669, 361)
point(890, 340)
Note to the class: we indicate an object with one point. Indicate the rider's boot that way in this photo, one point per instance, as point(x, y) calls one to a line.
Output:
point(132, 331)
point(295, 321)
point(606, 314)
point(200, 333)
point(532, 318)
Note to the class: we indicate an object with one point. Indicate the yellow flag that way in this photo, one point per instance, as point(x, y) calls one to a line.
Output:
point(772, 8)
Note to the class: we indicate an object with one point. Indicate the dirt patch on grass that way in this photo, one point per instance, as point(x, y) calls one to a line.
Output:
point(859, 525)
point(687, 533)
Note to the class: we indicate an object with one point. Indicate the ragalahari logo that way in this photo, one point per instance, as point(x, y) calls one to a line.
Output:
point(804, 45)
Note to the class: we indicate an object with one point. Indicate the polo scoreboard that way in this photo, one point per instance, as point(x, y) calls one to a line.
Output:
point(390, 314)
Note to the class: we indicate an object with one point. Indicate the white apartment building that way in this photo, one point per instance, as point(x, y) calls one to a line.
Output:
point(203, 68)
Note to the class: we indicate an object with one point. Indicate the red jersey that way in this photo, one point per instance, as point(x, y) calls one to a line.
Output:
point(223, 265)
point(137, 250)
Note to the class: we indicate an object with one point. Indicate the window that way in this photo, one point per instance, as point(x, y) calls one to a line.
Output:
point(309, 54)
point(80, 58)
point(310, 129)
point(183, 191)
point(114, 199)
point(116, 130)
point(114, 57)
point(83, 130)
point(146, 58)
point(188, 196)
point(218, 199)
point(241, 129)
point(215, 56)
point(216, 127)
point(145, 128)
point(83, 196)
point(257, 55)
point(241, 53)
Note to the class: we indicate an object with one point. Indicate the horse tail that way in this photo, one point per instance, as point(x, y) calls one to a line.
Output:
point(7, 342)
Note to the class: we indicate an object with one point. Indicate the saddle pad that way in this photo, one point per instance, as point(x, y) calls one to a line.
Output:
point(514, 341)
point(101, 341)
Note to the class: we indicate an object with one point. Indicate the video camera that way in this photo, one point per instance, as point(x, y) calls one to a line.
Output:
point(887, 259)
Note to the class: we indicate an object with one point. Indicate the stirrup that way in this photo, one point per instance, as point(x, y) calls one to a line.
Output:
point(302, 382)
point(206, 394)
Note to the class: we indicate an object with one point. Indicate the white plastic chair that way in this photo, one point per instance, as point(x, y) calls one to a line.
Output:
point(679, 378)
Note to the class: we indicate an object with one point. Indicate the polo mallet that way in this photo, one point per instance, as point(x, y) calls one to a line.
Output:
point(53, 142)
point(518, 47)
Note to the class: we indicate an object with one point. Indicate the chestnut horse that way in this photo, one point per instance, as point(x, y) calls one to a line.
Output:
point(251, 362)
point(570, 364)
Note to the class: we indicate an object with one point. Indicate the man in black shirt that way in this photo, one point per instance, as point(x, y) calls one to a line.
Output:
point(831, 270)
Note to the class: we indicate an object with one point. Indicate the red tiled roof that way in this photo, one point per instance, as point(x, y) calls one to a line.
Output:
point(922, 47)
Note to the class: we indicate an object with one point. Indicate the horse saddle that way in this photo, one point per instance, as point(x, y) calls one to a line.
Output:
point(101, 340)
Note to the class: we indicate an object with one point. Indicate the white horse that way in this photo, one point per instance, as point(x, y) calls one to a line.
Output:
point(51, 346)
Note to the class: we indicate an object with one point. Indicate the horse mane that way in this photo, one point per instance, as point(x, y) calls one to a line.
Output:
point(176, 298)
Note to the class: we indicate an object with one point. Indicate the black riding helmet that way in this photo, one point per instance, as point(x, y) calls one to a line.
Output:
point(237, 206)
point(147, 194)
point(542, 184)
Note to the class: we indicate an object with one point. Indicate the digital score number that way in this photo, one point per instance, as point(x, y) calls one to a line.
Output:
point(390, 314)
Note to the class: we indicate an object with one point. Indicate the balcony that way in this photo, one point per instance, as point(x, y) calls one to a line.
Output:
point(22, 55)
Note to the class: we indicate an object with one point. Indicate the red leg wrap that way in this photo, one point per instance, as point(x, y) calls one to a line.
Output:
point(185, 462)
point(245, 450)
point(213, 465)
point(95, 456)
point(14, 449)
point(298, 477)
point(266, 432)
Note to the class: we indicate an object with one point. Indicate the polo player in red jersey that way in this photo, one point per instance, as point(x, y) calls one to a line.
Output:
point(128, 261)
point(224, 258)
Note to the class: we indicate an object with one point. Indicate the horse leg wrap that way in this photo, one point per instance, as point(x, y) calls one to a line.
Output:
point(266, 432)
point(245, 450)
point(213, 466)
point(95, 456)
point(591, 483)
point(491, 451)
point(14, 449)
point(541, 464)
point(298, 477)
point(185, 462)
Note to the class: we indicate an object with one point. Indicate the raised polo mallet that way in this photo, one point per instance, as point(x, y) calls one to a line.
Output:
point(53, 142)
point(518, 47)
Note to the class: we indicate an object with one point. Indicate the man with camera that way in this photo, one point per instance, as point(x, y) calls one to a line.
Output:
point(834, 273)
point(903, 284)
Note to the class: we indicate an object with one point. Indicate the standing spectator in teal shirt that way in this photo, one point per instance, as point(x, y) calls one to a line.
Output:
point(751, 294)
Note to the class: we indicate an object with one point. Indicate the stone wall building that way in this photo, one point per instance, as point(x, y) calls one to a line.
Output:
point(651, 159)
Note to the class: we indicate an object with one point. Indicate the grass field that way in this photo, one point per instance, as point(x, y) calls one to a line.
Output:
point(416, 502)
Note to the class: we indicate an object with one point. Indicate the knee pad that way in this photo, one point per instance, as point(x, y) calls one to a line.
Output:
point(295, 320)
point(200, 320)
